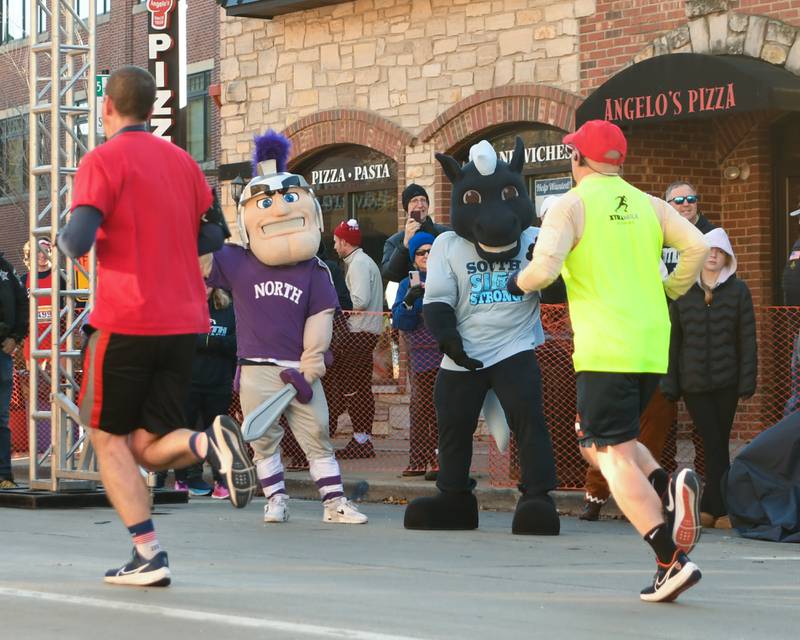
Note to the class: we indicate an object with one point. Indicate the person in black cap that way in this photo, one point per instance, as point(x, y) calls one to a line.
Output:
point(396, 260)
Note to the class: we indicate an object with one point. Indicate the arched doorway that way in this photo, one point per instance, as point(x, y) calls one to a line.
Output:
point(354, 181)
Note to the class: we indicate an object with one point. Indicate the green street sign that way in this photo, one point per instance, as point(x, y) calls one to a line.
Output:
point(100, 84)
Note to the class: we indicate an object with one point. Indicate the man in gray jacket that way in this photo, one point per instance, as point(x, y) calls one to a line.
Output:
point(366, 291)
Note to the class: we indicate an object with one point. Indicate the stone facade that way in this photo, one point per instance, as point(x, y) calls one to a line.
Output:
point(407, 61)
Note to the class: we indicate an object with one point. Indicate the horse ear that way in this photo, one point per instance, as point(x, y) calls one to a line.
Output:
point(518, 159)
point(452, 169)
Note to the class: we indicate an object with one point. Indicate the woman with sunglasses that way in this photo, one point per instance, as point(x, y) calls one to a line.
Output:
point(424, 360)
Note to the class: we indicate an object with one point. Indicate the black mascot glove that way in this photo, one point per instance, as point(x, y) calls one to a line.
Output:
point(413, 294)
point(512, 287)
point(452, 346)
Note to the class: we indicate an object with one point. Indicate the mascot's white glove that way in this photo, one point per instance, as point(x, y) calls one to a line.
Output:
point(316, 341)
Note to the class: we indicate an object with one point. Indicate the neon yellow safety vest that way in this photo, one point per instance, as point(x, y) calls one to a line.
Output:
point(616, 298)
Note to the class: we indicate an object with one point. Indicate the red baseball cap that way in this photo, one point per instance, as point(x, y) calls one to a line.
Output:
point(597, 140)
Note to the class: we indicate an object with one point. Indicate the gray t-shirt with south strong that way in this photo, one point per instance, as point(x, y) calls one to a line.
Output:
point(494, 325)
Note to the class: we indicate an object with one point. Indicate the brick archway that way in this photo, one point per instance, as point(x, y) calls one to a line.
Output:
point(529, 103)
point(735, 34)
point(347, 126)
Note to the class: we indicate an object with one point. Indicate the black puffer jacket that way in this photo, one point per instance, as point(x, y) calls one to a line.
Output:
point(712, 346)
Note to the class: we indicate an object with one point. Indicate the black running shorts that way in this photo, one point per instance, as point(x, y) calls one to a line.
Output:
point(610, 405)
point(135, 382)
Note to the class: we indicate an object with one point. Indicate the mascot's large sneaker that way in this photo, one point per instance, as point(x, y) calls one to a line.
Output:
point(341, 511)
point(227, 454)
point(682, 509)
point(277, 508)
point(536, 515)
point(142, 573)
point(672, 580)
point(447, 511)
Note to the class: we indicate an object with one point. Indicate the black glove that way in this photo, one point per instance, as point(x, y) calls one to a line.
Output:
point(512, 287)
point(453, 347)
point(414, 293)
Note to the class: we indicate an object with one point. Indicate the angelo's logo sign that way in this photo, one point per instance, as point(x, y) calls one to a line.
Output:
point(160, 13)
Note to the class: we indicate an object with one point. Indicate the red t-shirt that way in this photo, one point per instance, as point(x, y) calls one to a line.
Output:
point(151, 194)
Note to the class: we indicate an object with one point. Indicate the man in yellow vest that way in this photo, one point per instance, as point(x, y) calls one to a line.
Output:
point(605, 237)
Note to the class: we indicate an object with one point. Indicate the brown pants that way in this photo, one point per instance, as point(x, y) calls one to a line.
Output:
point(654, 427)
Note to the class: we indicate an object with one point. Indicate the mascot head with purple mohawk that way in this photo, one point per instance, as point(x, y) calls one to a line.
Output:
point(279, 218)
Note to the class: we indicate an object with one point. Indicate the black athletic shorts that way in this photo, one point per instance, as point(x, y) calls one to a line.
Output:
point(135, 382)
point(610, 405)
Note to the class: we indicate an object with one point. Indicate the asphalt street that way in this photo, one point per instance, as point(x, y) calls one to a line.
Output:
point(235, 577)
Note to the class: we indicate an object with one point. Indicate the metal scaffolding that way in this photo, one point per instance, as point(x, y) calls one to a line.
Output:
point(62, 125)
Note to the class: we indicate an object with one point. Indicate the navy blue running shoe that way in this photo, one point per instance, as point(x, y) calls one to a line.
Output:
point(142, 573)
point(682, 509)
point(672, 579)
point(227, 455)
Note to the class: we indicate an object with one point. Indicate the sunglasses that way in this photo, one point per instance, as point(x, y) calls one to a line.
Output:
point(682, 199)
point(422, 252)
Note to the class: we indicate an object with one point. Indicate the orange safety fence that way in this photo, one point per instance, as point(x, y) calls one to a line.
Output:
point(381, 384)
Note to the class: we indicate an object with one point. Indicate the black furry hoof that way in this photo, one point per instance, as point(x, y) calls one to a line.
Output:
point(444, 512)
point(536, 516)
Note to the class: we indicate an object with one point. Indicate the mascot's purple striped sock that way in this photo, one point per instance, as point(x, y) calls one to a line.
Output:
point(270, 474)
point(325, 473)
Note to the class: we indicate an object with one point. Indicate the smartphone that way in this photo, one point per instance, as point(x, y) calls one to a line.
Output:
point(413, 279)
point(415, 215)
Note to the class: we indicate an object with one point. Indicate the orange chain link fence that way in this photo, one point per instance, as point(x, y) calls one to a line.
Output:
point(382, 385)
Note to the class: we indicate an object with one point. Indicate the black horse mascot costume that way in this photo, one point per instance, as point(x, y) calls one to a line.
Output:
point(488, 338)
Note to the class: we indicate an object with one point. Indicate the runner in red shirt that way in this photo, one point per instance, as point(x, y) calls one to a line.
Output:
point(146, 204)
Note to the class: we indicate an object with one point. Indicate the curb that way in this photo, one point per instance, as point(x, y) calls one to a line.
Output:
point(364, 489)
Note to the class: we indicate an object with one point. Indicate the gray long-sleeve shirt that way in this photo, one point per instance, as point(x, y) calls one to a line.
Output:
point(494, 325)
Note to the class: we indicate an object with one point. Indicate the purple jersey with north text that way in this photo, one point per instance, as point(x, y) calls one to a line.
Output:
point(271, 303)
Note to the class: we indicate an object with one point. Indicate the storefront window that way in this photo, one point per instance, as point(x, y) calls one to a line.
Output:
point(356, 182)
point(546, 168)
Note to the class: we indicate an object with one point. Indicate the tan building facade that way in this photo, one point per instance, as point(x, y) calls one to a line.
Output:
point(368, 90)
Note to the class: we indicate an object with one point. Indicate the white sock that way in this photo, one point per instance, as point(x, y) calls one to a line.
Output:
point(361, 438)
point(326, 475)
point(270, 475)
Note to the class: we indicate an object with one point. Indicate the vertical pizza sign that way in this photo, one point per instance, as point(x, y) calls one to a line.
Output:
point(162, 61)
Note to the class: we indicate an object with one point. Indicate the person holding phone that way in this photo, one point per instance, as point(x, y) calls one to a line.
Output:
point(398, 260)
point(424, 359)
